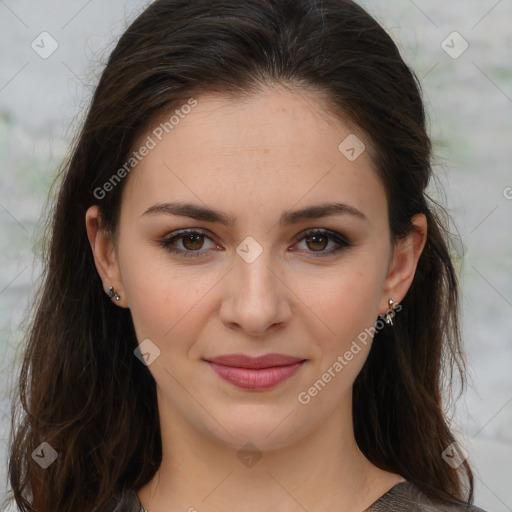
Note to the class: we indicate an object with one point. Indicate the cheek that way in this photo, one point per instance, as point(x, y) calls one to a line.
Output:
point(158, 296)
point(347, 303)
point(169, 303)
point(347, 308)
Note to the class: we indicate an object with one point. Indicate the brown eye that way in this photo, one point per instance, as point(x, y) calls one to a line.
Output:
point(193, 242)
point(187, 243)
point(316, 242)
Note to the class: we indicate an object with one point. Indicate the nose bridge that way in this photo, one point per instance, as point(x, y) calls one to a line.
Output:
point(255, 281)
point(255, 275)
point(256, 299)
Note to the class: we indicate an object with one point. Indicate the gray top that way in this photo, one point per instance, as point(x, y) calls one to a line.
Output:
point(403, 497)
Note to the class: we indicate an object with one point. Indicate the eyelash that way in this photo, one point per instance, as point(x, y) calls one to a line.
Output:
point(342, 242)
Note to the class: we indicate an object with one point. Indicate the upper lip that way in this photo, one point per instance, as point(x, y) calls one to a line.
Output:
point(264, 361)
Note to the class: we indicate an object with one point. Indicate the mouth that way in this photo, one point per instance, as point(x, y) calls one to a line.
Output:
point(255, 373)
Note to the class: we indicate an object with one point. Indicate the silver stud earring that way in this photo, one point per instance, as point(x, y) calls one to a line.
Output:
point(390, 314)
point(113, 294)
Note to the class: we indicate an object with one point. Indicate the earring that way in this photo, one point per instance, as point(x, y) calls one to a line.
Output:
point(390, 314)
point(113, 294)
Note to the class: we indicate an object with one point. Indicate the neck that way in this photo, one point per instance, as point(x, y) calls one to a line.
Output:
point(323, 471)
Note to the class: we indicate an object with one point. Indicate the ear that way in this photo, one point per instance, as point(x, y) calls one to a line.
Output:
point(105, 255)
point(402, 268)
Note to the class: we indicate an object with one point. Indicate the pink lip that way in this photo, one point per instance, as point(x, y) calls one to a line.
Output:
point(263, 372)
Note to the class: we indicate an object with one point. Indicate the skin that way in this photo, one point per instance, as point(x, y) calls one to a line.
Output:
point(254, 159)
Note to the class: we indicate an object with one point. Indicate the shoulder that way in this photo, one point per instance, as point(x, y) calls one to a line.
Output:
point(402, 497)
point(126, 501)
point(407, 497)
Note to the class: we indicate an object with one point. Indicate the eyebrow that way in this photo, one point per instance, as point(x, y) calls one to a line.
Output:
point(207, 214)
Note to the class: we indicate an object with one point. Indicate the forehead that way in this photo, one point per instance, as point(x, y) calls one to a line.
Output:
point(270, 149)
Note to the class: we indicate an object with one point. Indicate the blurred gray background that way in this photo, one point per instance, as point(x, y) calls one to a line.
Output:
point(467, 82)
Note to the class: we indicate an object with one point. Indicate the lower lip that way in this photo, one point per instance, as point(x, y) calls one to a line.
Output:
point(250, 378)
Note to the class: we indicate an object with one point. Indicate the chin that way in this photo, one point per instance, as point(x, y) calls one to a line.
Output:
point(266, 432)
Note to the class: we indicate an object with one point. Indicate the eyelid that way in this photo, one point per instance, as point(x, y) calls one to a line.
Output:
point(341, 241)
point(325, 232)
point(180, 233)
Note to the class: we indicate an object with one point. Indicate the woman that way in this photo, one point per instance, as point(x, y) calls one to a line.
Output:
point(249, 299)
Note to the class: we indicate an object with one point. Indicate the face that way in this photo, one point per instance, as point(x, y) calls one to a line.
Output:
point(264, 268)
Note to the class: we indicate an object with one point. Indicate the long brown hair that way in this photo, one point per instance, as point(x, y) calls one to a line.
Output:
point(82, 390)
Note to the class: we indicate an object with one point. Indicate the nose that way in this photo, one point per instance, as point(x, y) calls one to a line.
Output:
point(256, 297)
